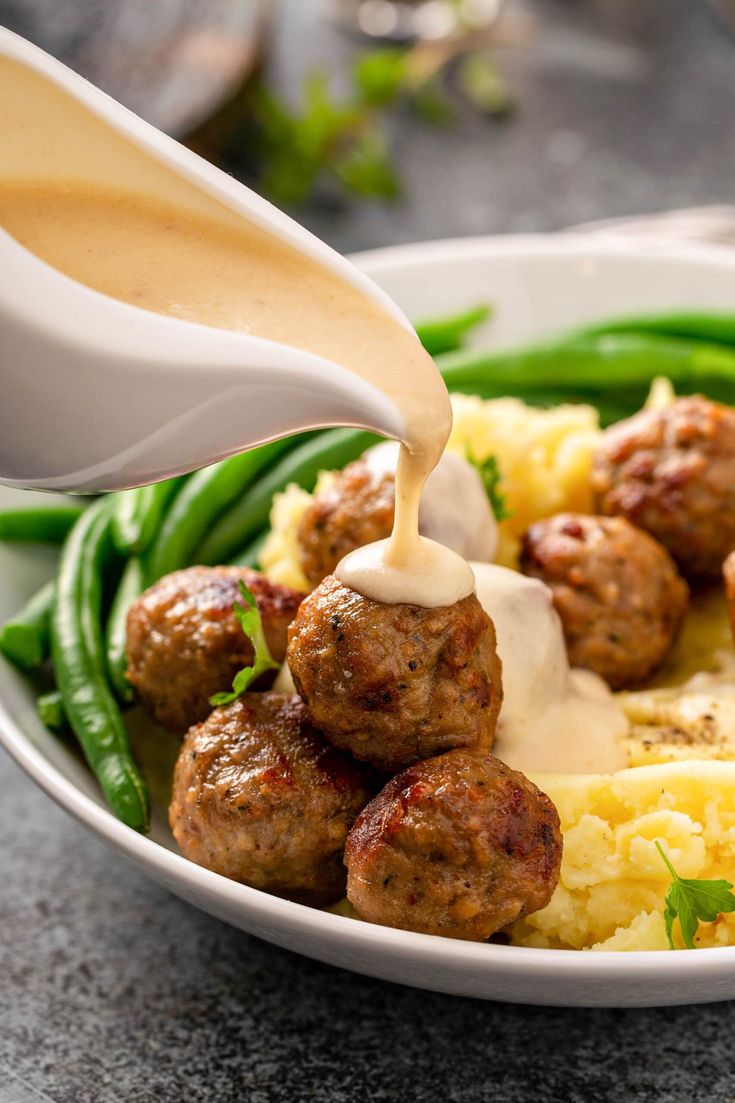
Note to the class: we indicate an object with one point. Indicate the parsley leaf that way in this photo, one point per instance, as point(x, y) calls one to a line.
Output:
point(483, 85)
point(379, 75)
point(489, 472)
point(250, 621)
point(365, 169)
point(692, 900)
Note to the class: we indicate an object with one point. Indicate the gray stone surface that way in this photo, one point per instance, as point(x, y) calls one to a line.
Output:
point(112, 990)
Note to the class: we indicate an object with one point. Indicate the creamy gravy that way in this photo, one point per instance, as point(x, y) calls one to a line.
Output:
point(166, 259)
point(553, 719)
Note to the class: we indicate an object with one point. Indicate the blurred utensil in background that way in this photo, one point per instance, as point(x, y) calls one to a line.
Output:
point(417, 20)
point(711, 225)
point(173, 62)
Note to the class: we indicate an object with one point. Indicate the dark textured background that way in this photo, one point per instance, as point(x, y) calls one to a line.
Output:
point(112, 990)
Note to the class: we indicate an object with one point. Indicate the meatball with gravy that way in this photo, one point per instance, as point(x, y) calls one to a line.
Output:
point(395, 683)
point(356, 506)
point(671, 471)
point(259, 796)
point(184, 641)
point(459, 846)
point(616, 589)
point(353, 509)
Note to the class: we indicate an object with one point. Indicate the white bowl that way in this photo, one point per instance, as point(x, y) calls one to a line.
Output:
point(539, 285)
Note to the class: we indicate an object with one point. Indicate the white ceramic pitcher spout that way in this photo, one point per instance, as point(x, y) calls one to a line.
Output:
point(96, 394)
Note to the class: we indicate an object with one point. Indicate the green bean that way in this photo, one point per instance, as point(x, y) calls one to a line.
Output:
point(79, 662)
point(696, 325)
point(250, 555)
point(139, 513)
point(206, 494)
point(439, 335)
point(605, 367)
point(131, 585)
point(50, 708)
point(39, 524)
point(250, 514)
point(24, 638)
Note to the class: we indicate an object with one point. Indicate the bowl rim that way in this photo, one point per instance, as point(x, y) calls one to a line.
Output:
point(284, 915)
point(603, 244)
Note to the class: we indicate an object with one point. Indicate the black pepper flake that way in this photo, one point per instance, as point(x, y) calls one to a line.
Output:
point(412, 664)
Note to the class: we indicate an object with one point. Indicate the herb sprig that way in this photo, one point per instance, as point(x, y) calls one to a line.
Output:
point(489, 471)
point(251, 623)
point(691, 900)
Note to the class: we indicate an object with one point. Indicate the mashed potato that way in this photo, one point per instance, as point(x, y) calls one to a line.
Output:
point(544, 458)
point(613, 881)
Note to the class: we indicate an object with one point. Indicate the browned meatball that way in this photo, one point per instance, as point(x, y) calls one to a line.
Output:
point(616, 589)
point(672, 473)
point(261, 797)
point(728, 571)
point(353, 510)
point(184, 641)
point(459, 845)
point(396, 683)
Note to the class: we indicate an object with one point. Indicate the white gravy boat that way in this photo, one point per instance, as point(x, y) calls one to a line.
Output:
point(97, 394)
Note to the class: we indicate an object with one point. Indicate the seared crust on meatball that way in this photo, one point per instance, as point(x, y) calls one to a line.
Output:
point(184, 642)
point(672, 473)
point(616, 589)
point(728, 572)
point(459, 845)
point(354, 509)
point(395, 683)
point(260, 797)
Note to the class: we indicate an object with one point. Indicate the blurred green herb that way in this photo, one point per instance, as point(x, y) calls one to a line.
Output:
point(344, 139)
point(489, 472)
point(482, 84)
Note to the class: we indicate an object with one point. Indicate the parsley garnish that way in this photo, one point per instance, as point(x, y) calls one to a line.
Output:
point(692, 900)
point(249, 620)
point(489, 472)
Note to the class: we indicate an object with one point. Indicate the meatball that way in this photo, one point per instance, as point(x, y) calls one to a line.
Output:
point(728, 572)
point(459, 845)
point(672, 472)
point(355, 509)
point(184, 641)
point(617, 591)
point(260, 797)
point(395, 683)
